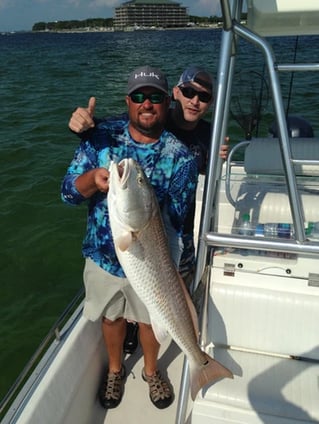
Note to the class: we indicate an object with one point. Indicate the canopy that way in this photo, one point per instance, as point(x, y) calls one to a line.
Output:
point(283, 17)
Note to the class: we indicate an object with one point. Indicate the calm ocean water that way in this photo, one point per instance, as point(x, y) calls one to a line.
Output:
point(43, 78)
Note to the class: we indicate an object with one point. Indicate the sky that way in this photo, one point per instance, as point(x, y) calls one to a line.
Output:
point(20, 15)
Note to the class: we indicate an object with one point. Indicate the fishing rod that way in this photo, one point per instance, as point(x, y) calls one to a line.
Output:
point(249, 99)
point(292, 76)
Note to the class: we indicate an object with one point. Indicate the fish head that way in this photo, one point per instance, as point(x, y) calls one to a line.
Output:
point(131, 197)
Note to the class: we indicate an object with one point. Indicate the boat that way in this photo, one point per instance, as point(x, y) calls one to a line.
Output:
point(257, 220)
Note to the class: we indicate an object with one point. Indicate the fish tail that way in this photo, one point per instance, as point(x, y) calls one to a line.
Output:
point(208, 373)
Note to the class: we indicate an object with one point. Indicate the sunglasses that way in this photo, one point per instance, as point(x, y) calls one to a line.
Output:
point(190, 92)
point(154, 98)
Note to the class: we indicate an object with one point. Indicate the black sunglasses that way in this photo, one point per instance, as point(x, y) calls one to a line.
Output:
point(190, 92)
point(154, 98)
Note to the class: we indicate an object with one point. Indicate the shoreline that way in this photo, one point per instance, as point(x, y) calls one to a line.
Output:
point(109, 29)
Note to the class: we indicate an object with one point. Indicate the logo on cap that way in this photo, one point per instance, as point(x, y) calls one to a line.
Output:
point(147, 75)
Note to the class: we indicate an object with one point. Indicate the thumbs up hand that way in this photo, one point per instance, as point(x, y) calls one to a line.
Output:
point(82, 118)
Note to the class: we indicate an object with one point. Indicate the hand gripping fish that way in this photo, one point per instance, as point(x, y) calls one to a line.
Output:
point(142, 249)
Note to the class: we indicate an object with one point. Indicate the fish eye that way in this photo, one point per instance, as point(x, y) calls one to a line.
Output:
point(140, 180)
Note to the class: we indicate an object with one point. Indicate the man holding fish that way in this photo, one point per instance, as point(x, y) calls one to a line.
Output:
point(193, 96)
point(172, 172)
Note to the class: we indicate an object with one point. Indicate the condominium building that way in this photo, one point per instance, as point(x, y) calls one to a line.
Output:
point(150, 14)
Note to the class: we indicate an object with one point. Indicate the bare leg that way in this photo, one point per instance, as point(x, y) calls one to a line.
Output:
point(114, 334)
point(150, 348)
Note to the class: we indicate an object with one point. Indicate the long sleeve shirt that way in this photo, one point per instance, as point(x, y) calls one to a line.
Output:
point(167, 163)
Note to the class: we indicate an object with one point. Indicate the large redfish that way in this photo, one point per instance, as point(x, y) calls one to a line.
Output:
point(142, 249)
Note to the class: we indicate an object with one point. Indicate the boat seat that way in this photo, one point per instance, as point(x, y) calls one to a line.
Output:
point(263, 156)
point(263, 193)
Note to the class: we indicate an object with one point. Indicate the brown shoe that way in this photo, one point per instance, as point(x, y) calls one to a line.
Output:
point(161, 394)
point(112, 389)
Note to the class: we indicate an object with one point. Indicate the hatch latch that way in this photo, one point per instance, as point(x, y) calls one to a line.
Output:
point(313, 280)
point(229, 270)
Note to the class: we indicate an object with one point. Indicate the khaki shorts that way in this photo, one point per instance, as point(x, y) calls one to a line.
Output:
point(110, 296)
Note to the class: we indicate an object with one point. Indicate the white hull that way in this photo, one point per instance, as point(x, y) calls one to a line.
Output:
point(67, 380)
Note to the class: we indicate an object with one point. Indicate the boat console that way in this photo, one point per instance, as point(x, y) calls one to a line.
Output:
point(263, 303)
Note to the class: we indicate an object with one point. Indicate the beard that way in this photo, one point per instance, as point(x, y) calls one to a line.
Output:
point(152, 130)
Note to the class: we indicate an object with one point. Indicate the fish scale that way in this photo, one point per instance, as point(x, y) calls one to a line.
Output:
point(144, 255)
point(161, 295)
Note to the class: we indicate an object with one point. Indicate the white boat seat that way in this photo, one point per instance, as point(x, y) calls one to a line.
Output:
point(263, 193)
point(263, 156)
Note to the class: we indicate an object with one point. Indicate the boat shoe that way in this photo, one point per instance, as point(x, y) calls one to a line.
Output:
point(161, 394)
point(112, 388)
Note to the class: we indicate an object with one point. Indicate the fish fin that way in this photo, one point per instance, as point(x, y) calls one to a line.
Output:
point(210, 372)
point(124, 241)
point(159, 332)
point(191, 306)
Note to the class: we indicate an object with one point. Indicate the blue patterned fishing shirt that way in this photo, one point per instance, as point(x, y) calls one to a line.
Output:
point(167, 163)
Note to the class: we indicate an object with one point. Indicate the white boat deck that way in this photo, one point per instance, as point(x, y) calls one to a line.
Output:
point(64, 387)
point(136, 406)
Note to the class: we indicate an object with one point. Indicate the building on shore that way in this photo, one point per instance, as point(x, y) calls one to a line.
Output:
point(150, 14)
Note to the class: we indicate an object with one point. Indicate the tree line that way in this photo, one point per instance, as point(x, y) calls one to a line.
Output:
point(107, 23)
point(73, 24)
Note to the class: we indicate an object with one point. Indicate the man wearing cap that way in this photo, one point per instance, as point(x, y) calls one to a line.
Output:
point(193, 95)
point(172, 171)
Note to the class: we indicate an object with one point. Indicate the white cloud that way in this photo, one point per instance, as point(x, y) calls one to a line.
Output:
point(75, 3)
point(105, 3)
point(5, 3)
point(212, 8)
point(95, 3)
